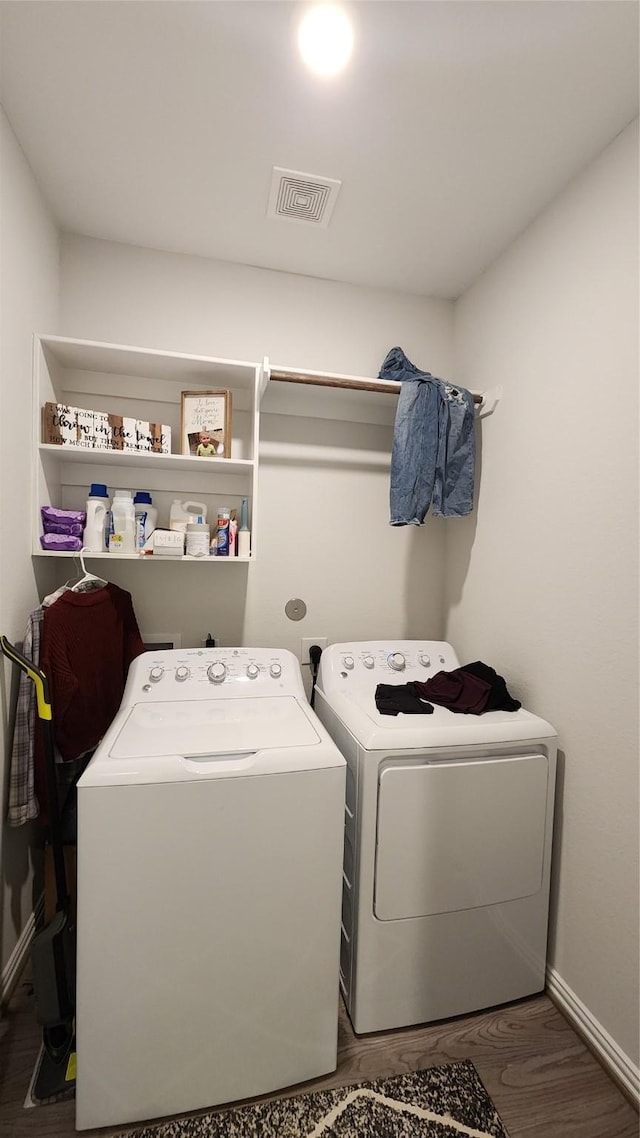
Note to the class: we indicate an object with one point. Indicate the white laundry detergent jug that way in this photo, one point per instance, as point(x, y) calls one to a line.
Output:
point(182, 514)
point(122, 532)
point(94, 538)
point(146, 517)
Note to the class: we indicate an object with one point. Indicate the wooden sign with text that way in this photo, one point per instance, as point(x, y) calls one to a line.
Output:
point(63, 425)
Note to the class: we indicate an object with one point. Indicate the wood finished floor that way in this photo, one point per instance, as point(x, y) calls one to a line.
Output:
point(542, 1078)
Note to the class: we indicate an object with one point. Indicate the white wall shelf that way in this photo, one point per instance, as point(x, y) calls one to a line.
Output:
point(142, 383)
point(143, 460)
point(148, 559)
point(145, 383)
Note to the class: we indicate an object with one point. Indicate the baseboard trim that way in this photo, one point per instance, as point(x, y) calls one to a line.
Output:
point(13, 968)
point(612, 1057)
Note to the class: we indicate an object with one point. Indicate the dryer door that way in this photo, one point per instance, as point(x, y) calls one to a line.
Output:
point(455, 835)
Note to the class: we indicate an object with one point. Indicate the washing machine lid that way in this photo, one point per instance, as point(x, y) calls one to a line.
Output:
point(180, 740)
point(443, 728)
point(213, 726)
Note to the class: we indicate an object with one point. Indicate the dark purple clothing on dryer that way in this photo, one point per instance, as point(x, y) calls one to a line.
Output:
point(455, 690)
point(500, 698)
point(471, 690)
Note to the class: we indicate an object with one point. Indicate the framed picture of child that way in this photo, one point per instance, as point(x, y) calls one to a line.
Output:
point(206, 424)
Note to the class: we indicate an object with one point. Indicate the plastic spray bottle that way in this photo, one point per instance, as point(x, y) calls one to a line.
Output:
point(244, 536)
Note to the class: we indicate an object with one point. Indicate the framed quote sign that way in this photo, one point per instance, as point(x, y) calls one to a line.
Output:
point(206, 424)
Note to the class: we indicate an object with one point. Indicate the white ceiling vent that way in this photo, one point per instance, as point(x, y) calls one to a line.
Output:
point(302, 197)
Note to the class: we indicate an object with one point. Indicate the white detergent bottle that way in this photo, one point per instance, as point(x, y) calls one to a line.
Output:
point(94, 536)
point(146, 517)
point(182, 514)
point(122, 534)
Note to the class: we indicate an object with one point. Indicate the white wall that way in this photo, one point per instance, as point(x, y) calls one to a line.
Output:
point(324, 534)
point(543, 582)
point(29, 267)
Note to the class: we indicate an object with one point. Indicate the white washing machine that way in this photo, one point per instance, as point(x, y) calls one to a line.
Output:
point(210, 831)
point(448, 829)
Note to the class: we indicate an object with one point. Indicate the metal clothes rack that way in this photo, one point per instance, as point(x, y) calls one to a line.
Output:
point(485, 401)
point(52, 947)
point(388, 387)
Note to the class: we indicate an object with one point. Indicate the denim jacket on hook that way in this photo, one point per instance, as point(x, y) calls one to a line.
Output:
point(433, 455)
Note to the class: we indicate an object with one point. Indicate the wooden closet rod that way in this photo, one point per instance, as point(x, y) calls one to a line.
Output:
point(388, 387)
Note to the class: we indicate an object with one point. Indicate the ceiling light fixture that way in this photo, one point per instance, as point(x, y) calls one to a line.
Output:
point(325, 39)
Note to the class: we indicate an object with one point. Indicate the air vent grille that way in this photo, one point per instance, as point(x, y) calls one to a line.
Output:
point(306, 198)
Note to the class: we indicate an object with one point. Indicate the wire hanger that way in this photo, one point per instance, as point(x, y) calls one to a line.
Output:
point(86, 579)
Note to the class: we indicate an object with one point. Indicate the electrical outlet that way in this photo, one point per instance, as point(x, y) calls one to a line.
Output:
point(306, 643)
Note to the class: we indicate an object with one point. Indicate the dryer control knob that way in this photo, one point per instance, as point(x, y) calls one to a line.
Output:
point(348, 662)
point(397, 661)
point(275, 670)
point(253, 671)
point(156, 674)
point(368, 661)
point(424, 660)
point(217, 672)
point(182, 674)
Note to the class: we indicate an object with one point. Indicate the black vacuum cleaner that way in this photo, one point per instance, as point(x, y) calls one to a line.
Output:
point(53, 947)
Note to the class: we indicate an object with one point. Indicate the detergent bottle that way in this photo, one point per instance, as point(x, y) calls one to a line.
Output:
point(146, 517)
point(122, 531)
point(182, 514)
point(94, 538)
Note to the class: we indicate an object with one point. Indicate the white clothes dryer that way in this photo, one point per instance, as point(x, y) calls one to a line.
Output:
point(448, 832)
point(210, 830)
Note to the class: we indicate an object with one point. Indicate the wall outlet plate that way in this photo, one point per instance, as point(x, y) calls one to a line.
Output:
point(306, 643)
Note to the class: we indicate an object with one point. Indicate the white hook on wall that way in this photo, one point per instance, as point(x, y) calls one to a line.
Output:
point(490, 400)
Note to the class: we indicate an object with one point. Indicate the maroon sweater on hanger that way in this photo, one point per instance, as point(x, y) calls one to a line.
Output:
point(88, 642)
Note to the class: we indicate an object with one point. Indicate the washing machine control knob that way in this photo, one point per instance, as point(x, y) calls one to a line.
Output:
point(217, 672)
point(182, 674)
point(396, 661)
point(425, 660)
point(156, 674)
point(368, 661)
point(253, 671)
point(275, 670)
point(348, 662)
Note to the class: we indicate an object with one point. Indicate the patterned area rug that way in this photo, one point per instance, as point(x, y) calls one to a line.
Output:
point(442, 1102)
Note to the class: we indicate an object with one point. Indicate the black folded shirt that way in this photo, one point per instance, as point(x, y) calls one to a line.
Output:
point(399, 699)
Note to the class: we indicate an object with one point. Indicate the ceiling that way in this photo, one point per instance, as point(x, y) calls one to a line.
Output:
point(159, 123)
